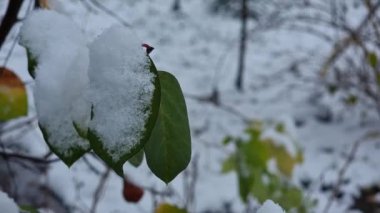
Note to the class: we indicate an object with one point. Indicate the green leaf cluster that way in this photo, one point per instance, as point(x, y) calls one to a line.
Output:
point(166, 141)
point(250, 162)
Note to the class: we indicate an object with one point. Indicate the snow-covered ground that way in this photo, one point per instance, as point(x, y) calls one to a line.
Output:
point(201, 50)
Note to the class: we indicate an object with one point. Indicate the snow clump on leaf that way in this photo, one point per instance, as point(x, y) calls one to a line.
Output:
point(61, 78)
point(121, 90)
point(270, 207)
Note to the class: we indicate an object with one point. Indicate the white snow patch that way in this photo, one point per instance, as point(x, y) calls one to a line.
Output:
point(61, 76)
point(7, 204)
point(121, 89)
point(270, 207)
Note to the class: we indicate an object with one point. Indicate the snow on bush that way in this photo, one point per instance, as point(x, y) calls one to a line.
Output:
point(121, 89)
point(61, 76)
point(270, 207)
point(7, 204)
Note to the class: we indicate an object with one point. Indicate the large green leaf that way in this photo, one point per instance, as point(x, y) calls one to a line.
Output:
point(13, 98)
point(168, 151)
point(98, 145)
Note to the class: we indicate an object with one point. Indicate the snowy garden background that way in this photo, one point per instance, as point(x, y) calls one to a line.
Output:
point(310, 91)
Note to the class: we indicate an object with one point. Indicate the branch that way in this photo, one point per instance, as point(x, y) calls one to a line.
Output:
point(353, 37)
point(10, 19)
point(6, 154)
point(18, 125)
point(90, 166)
point(346, 165)
point(214, 100)
point(99, 190)
point(242, 45)
point(109, 12)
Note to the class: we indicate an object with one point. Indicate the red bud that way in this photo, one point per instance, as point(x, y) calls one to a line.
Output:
point(132, 192)
point(148, 48)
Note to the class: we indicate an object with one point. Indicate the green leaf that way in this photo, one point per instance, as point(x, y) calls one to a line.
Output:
point(280, 128)
point(332, 88)
point(285, 162)
point(291, 197)
point(351, 100)
point(168, 208)
point(98, 146)
point(229, 164)
point(261, 190)
point(71, 155)
point(81, 132)
point(227, 140)
point(245, 184)
point(372, 59)
point(32, 63)
point(256, 154)
point(168, 151)
point(28, 209)
point(137, 159)
point(245, 176)
point(13, 97)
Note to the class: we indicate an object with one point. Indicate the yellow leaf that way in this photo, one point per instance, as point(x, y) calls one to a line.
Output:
point(168, 208)
point(285, 162)
point(13, 98)
point(44, 4)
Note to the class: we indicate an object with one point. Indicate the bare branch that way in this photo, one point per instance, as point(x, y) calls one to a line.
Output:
point(100, 189)
point(351, 38)
point(110, 13)
point(9, 19)
point(6, 154)
point(346, 165)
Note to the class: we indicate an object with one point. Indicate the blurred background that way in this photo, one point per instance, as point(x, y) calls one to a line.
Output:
point(283, 98)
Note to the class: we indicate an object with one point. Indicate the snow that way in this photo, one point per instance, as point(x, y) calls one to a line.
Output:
point(196, 46)
point(7, 204)
point(270, 207)
point(121, 89)
point(61, 76)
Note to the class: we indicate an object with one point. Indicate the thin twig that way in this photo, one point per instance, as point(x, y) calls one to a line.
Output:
point(352, 37)
point(18, 125)
point(99, 190)
point(11, 174)
point(191, 177)
point(229, 109)
point(155, 192)
point(90, 166)
point(9, 19)
point(346, 165)
point(9, 54)
point(109, 12)
point(6, 154)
